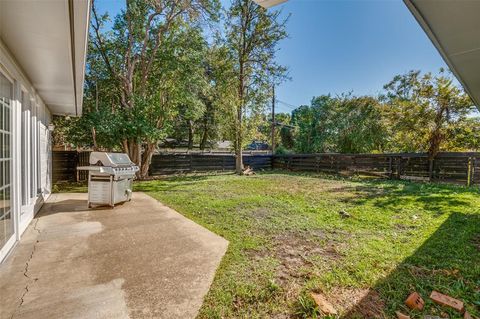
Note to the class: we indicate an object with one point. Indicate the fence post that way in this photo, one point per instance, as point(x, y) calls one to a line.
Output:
point(430, 169)
point(399, 167)
point(77, 161)
point(469, 172)
point(472, 174)
point(390, 168)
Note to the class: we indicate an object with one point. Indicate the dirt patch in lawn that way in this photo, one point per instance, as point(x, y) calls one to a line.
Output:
point(261, 213)
point(357, 302)
point(403, 227)
point(296, 252)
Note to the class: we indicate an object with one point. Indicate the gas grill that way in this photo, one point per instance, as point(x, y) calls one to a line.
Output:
point(110, 177)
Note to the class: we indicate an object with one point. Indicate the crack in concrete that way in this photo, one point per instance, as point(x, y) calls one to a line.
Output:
point(25, 272)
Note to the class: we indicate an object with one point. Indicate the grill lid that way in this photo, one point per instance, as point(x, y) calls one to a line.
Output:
point(110, 159)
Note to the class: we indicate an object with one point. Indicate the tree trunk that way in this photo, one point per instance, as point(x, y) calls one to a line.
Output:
point(239, 135)
point(147, 160)
point(125, 147)
point(203, 141)
point(139, 153)
point(437, 136)
point(239, 161)
point(238, 144)
point(94, 138)
point(190, 134)
point(141, 159)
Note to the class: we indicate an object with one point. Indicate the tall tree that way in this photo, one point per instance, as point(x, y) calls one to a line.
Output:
point(419, 109)
point(251, 37)
point(140, 56)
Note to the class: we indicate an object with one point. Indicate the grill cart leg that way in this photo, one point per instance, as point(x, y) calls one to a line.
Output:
point(89, 179)
point(112, 203)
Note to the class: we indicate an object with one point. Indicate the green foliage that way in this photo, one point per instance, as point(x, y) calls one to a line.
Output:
point(345, 124)
point(143, 72)
point(154, 75)
point(417, 113)
point(284, 131)
point(419, 109)
point(464, 135)
point(282, 150)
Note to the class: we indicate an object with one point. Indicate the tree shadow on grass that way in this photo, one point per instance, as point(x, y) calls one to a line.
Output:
point(396, 194)
point(448, 261)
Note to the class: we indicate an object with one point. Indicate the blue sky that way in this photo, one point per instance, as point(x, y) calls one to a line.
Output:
point(340, 46)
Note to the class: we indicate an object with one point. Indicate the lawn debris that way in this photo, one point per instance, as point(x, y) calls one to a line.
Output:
point(422, 271)
point(344, 214)
point(401, 315)
point(324, 306)
point(467, 315)
point(415, 301)
point(248, 171)
point(447, 301)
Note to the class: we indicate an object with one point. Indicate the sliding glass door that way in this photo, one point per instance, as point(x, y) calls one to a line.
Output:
point(7, 229)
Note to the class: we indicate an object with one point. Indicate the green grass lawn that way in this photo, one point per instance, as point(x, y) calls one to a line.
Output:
point(288, 239)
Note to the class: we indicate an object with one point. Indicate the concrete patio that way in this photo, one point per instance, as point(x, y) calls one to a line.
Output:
point(139, 260)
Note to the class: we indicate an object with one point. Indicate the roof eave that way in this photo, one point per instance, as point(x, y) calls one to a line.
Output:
point(436, 42)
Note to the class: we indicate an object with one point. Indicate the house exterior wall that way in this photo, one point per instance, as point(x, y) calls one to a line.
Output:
point(29, 175)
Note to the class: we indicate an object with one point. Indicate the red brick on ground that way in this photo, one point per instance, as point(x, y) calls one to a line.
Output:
point(325, 307)
point(415, 301)
point(401, 315)
point(447, 301)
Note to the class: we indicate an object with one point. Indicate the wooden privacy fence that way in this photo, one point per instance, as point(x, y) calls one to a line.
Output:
point(183, 163)
point(460, 168)
point(65, 166)
point(65, 163)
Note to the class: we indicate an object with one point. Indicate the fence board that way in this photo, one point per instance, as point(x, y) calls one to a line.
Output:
point(64, 165)
point(447, 167)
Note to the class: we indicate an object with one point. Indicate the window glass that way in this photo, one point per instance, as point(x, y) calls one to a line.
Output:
point(6, 221)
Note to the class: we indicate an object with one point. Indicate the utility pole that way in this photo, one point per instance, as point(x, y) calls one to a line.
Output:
point(273, 118)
